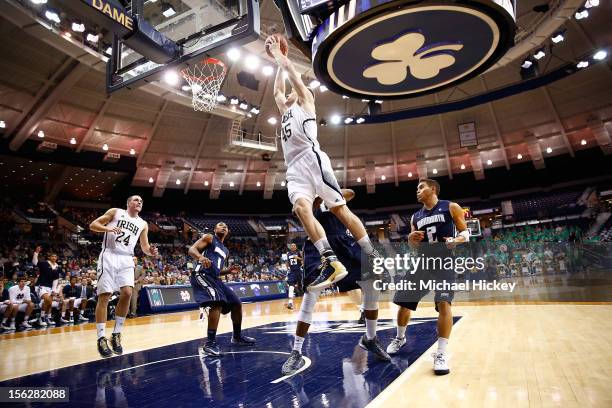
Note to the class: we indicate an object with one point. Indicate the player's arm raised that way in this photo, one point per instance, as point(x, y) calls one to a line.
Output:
point(195, 251)
point(463, 233)
point(279, 92)
point(99, 224)
point(304, 95)
point(147, 248)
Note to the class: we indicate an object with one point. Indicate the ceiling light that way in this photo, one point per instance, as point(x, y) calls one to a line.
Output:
point(583, 142)
point(221, 98)
point(548, 150)
point(582, 64)
point(526, 64)
point(323, 88)
point(109, 50)
point(233, 54)
point(167, 10)
point(2, 124)
point(378, 101)
point(335, 119)
point(272, 120)
point(435, 171)
point(92, 38)
point(519, 156)
point(558, 37)
point(323, 122)
point(489, 162)
point(132, 152)
point(171, 78)
point(67, 34)
point(600, 55)
point(243, 105)
point(78, 28)
point(462, 166)
point(105, 147)
point(206, 183)
point(360, 120)
point(348, 120)
point(581, 13)
point(231, 184)
point(251, 62)
point(255, 110)
point(539, 54)
point(258, 184)
point(73, 141)
point(38, 1)
point(186, 88)
point(249, 115)
point(267, 70)
point(283, 183)
point(409, 174)
point(234, 100)
point(150, 179)
point(52, 15)
point(314, 84)
point(344, 97)
point(591, 3)
point(383, 177)
point(41, 134)
point(359, 179)
point(365, 100)
point(178, 182)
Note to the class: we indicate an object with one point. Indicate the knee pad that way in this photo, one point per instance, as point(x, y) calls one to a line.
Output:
point(308, 303)
point(369, 295)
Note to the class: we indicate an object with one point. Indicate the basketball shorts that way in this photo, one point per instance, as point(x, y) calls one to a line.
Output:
point(3, 307)
point(22, 307)
point(114, 271)
point(348, 253)
point(312, 175)
point(295, 277)
point(211, 291)
point(411, 298)
point(77, 302)
point(43, 290)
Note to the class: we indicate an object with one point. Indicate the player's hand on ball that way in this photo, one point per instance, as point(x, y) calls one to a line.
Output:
point(273, 44)
point(204, 261)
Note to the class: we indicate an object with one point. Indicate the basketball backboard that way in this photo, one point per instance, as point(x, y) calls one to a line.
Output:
point(191, 29)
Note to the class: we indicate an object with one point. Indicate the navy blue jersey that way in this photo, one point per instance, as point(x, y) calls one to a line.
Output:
point(436, 223)
point(330, 223)
point(294, 262)
point(217, 253)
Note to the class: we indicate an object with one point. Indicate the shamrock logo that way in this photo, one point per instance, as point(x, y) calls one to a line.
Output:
point(407, 53)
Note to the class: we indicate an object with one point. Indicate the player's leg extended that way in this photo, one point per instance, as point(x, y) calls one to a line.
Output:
point(445, 325)
point(290, 296)
point(211, 348)
point(295, 360)
point(403, 317)
point(101, 314)
point(356, 297)
point(369, 340)
point(120, 313)
point(353, 223)
point(237, 337)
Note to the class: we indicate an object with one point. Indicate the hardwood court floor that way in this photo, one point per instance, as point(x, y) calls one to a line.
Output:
point(501, 354)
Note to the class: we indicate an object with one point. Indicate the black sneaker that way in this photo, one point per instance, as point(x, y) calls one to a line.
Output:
point(289, 306)
point(116, 343)
point(211, 348)
point(361, 318)
point(332, 271)
point(293, 363)
point(243, 341)
point(374, 347)
point(103, 348)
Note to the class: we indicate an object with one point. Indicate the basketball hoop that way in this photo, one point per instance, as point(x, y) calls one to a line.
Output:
point(205, 80)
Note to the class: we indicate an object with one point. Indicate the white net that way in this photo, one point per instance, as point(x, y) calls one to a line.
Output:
point(205, 80)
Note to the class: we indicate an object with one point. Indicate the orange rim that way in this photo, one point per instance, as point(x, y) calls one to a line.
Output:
point(187, 75)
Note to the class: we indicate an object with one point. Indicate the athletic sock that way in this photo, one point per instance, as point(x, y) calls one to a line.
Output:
point(323, 246)
point(366, 245)
point(401, 331)
point(101, 329)
point(5, 320)
point(211, 334)
point(298, 343)
point(370, 328)
point(237, 329)
point(70, 315)
point(442, 343)
point(118, 324)
point(26, 318)
point(290, 294)
point(43, 315)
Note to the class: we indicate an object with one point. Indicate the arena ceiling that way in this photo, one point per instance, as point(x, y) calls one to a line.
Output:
point(54, 84)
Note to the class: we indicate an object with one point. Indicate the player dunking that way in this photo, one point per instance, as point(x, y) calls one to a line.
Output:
point(121, 228)
point(210, 291)
point(309, 170)
point(349, 254)
point(437, 221)
point(295, 274)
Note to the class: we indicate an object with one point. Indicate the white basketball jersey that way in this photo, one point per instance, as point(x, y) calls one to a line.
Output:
point(124, 242)
point(298, 133)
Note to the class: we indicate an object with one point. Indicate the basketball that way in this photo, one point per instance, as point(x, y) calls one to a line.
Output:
point(284, 46)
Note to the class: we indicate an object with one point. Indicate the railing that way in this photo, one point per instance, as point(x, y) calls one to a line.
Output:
point(240, 136)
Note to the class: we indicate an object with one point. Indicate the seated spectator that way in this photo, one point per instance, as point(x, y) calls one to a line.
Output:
point(19, 297)
point(76, 295)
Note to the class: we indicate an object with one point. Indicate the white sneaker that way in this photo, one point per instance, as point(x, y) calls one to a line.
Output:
point(395, 345)
point(5, 326)
point(12, 326)
point(83, 318)
point(440, 363)
point(64, 321)
point(49, 321)
point(42, 322)
point(26, 325)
